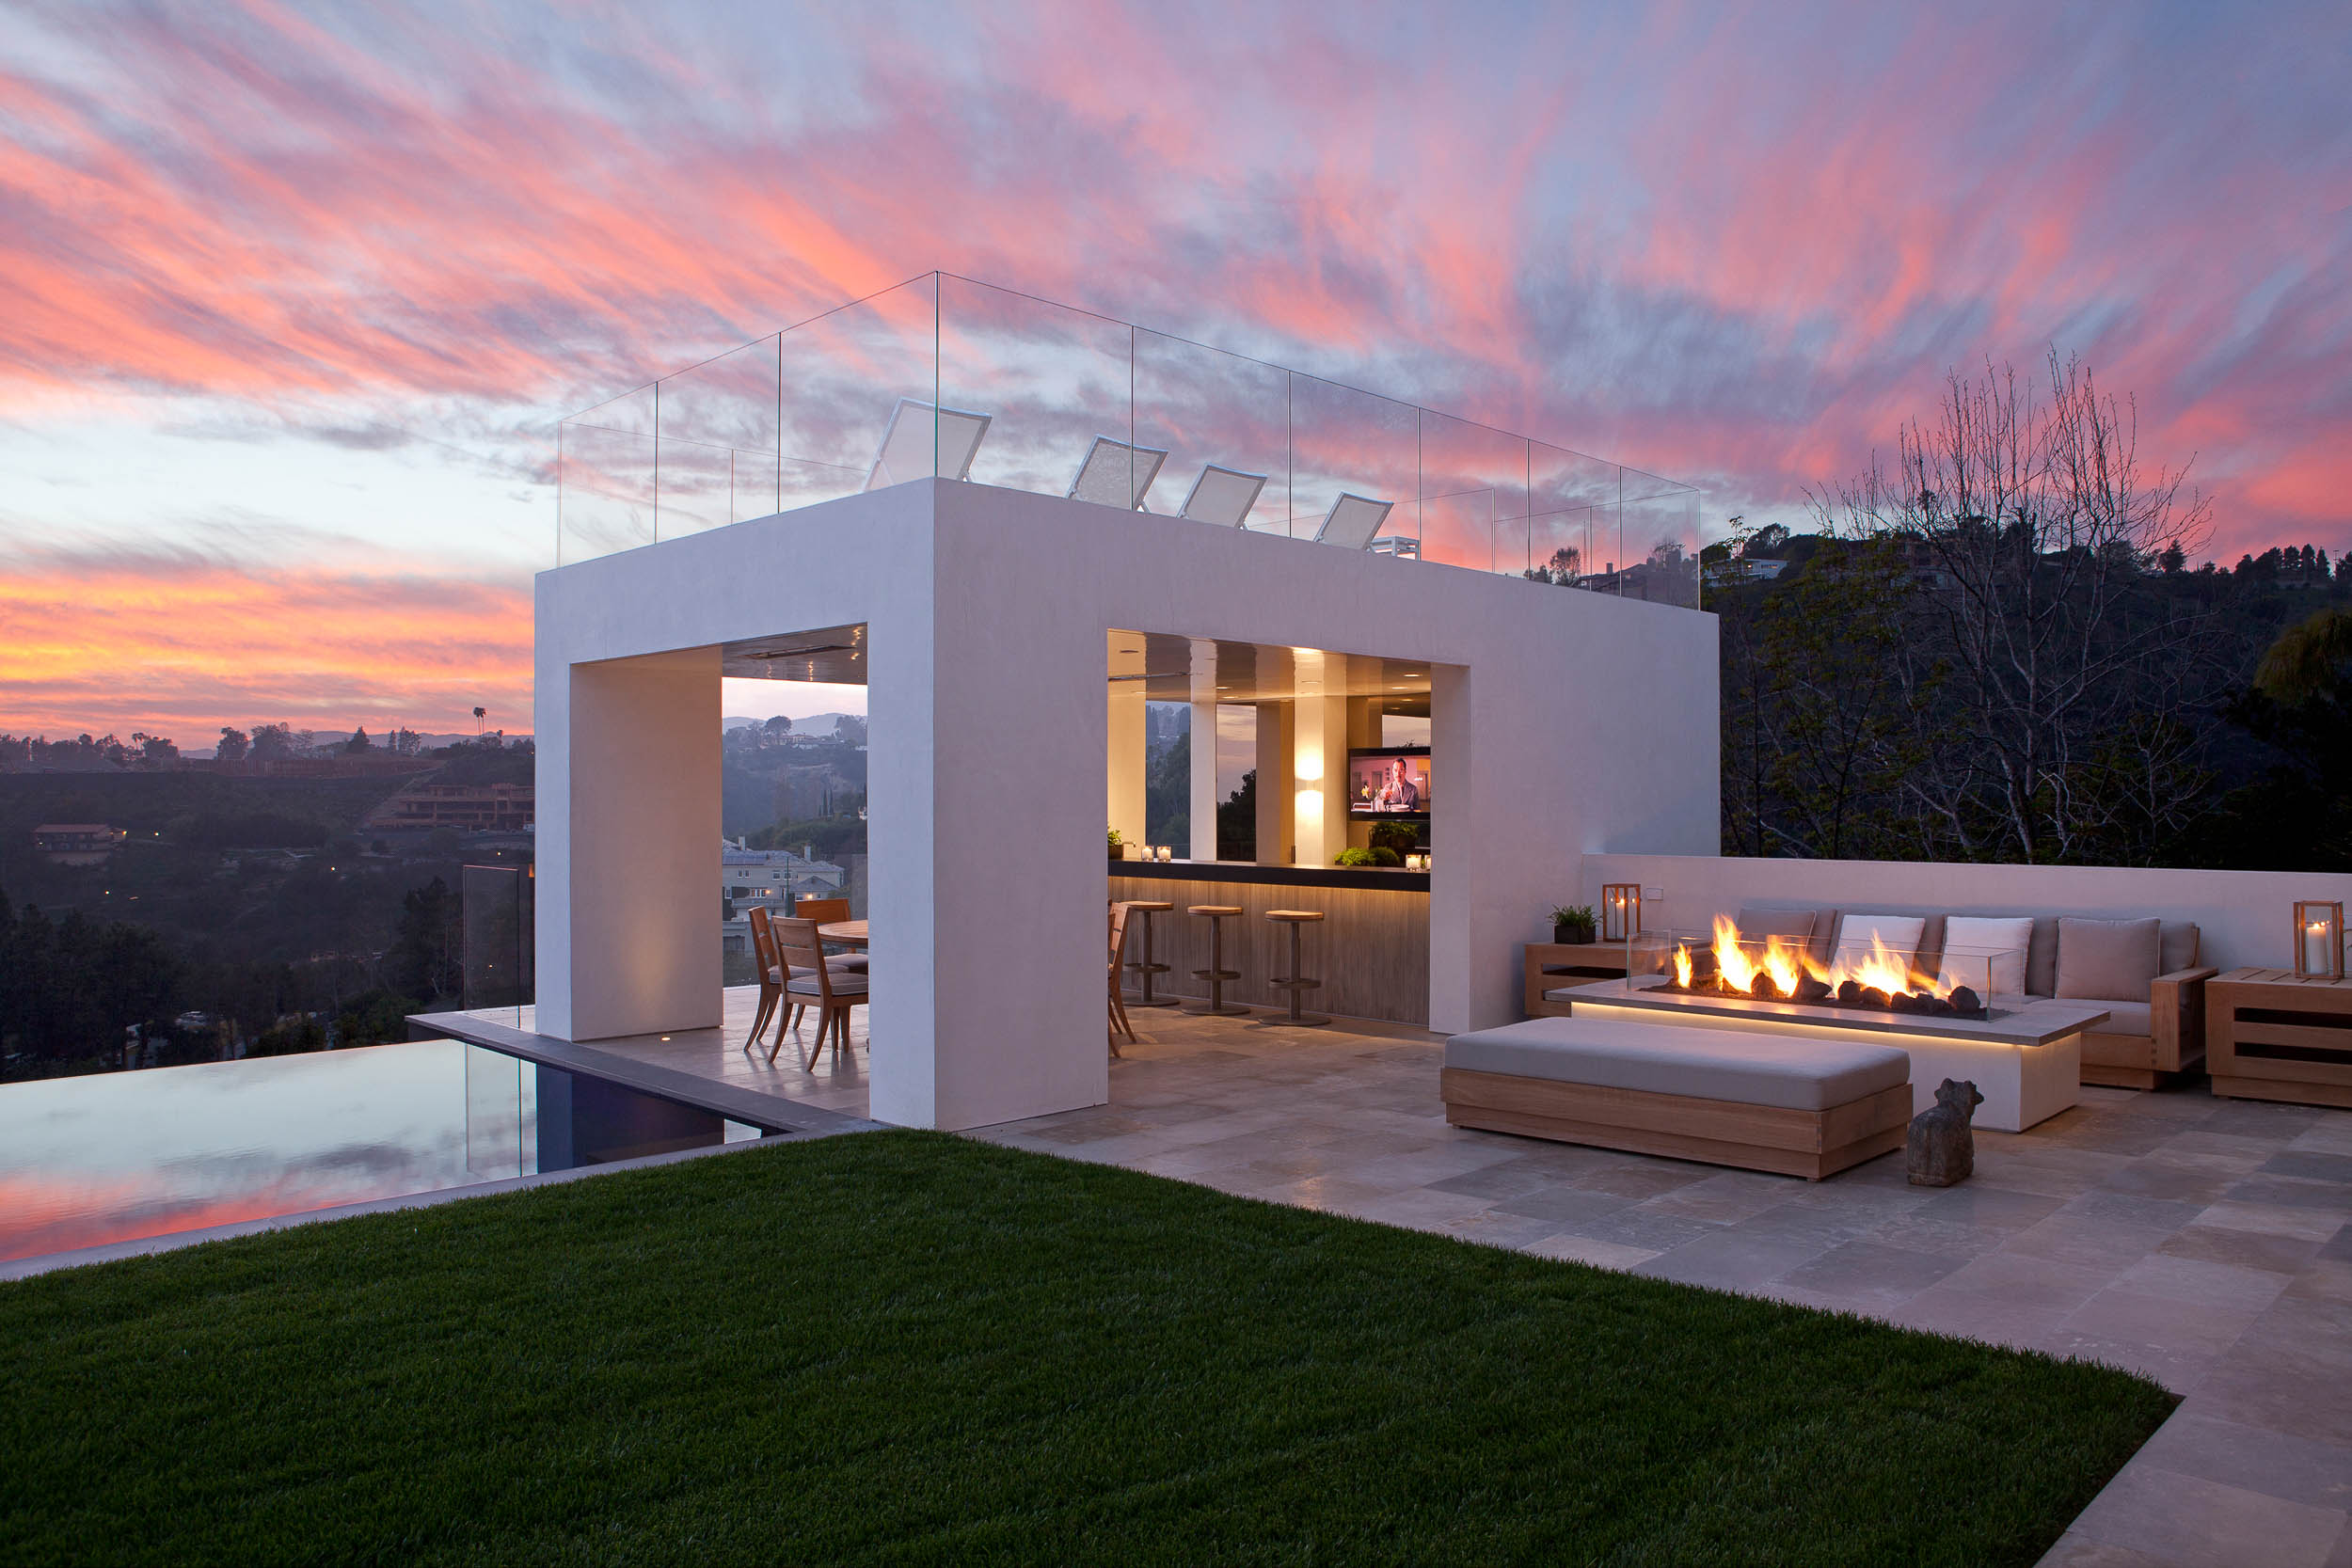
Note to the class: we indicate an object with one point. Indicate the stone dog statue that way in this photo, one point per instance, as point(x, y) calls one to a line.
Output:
point(1942, 1151)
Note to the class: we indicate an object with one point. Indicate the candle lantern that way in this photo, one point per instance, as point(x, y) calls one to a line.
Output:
point(2318, 941)
point(1620, 911)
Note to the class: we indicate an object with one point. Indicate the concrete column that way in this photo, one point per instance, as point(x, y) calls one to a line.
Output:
point(1204, 795)
point(1128, 767)
point(630, 864)
point(1275, 842)
point(1319, 757)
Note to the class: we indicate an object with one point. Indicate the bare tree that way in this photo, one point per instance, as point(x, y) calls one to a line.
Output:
point(2031, 527)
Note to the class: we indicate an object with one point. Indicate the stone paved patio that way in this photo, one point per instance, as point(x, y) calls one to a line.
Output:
point(2205, 1242)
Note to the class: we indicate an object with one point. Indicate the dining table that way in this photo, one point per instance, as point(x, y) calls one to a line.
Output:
point(850, 933)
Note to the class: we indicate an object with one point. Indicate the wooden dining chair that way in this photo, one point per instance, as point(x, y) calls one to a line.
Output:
point(1119, 958)
point(811, 982)
point(771, 976)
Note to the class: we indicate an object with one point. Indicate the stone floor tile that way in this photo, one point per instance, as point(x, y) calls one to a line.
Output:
point(1990, 1208)
point(2245, 1249)
point(2275, 1464)
point(2029, 1282)
point(2202, 1282)
point(2188, 1339)
point(1971, 1315)
point(1724, 1200)
point(1644, 1180)
point(2197, 1523)
point(2262, 1386)
point(2286, 1191)
point(1564, 1205)
point(2076, 1551)
point(1868, 1274)
point(1729, 1262)
point(2316, 1225)
point(1635, 1226)
point(1587, 1249)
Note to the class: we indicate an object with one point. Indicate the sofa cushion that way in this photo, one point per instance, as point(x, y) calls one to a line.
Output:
point(1967, 937)
point(2123, 1018)
point(1899, 933)
point(2108, 961)
point(1797, 1074)
point(2176, 945)
point(1757, 922)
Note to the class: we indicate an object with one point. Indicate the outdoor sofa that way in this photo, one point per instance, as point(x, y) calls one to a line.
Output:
point(2144, 970)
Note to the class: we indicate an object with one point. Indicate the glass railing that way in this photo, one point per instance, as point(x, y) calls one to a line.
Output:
point(945, 376)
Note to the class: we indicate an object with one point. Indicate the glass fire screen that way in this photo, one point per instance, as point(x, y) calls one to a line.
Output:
point(1956, 983)
point(945, 376)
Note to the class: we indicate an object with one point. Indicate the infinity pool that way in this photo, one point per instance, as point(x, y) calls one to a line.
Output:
point(116, 1156)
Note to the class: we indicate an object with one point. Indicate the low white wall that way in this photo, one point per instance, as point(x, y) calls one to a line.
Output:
point(2245, 917)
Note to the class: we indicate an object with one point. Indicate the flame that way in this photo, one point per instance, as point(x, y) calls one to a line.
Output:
point(1738, 964)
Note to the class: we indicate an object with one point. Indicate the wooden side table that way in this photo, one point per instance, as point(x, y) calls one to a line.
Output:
point(1550, 965)
point(2270, 1036)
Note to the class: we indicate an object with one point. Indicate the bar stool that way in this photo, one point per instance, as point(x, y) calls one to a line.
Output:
point(1217, 974)
point(1297, 980)
point(1146, 968)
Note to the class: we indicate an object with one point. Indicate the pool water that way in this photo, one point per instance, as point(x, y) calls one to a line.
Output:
point(84, 1162)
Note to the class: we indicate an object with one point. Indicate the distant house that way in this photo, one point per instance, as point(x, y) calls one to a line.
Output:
point(770, 879)
point(77, 843)
point(469, 807)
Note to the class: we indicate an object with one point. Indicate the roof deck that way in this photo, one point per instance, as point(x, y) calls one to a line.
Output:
point(942, 376)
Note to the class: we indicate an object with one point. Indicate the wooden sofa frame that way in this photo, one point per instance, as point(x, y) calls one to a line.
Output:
point(1811, 1144)
point(2174, 1044)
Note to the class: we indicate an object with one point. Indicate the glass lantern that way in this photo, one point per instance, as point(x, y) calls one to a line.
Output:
point(1620, 911)
point(2318, 941)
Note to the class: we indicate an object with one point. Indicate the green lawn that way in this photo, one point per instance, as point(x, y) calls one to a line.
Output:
point(907, 1347)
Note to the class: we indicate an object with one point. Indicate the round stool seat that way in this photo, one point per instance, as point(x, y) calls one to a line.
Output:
point(1217, 974)
point(1154, 903)
point(1213, 909)
point(1294, 914)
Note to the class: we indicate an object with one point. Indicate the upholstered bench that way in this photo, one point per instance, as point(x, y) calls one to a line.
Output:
point(1801, 1107)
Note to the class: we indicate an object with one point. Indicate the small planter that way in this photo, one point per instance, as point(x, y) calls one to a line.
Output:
point(1571, 936)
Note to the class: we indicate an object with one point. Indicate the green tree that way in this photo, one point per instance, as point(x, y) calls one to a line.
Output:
point(1168, 794)
point(423, 961)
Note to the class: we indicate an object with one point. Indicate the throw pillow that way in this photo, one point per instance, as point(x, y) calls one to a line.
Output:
point(2107, 960)
point(1789, 925)
point(1967, 940)
point(1897, 933)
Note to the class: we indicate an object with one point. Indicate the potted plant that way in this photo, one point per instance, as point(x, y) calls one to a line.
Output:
point(1119, 846)
point(1573, 923)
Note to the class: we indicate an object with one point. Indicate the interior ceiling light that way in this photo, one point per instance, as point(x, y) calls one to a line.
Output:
point(799, 653)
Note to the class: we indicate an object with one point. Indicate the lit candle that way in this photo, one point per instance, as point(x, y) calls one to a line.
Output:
point(2315, 956)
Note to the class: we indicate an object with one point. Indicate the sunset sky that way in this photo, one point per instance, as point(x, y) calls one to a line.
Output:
point(293, 295)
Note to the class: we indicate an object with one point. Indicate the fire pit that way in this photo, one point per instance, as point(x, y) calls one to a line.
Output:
point(1775, 969)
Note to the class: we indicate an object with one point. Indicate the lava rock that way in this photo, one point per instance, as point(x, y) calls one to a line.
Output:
point(1941, 1147)
point(1902, 1001)
point(1965, 1003)
point(1811, 990)
point(1873, 997)
point(1940, 1006)
point(1850, 993)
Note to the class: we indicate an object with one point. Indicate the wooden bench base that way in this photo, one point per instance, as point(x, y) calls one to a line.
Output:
point(2135, 1062)
point(1811, 1144)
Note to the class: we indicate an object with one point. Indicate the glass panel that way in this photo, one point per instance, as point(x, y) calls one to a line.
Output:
point(1572, 531)
point(1345, 442)
point(718, 427)
point(1223, 422)
point(494, 940)
point(1660, 521)
point(1050, 379)
point(1473, 494)
point(843, 378)
point(605, 478)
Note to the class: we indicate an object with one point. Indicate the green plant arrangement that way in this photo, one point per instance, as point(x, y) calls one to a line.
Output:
point(1383, 855)
point(1403, 837)
point(1119, 846)
point(1573, 923)
point(1354, 857)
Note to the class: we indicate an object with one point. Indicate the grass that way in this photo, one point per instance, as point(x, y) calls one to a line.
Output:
point(907, 1347)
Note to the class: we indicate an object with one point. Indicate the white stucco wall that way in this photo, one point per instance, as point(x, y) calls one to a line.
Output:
point(1564, 723)
point(2245, 917)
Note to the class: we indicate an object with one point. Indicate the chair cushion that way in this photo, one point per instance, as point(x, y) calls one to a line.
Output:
point(2107, 960)
point(1795, 1074)
point(2176, 947)
point(1967, 937)
point(805, 983)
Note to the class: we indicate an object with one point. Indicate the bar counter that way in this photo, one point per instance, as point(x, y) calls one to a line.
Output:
point(1371, 950)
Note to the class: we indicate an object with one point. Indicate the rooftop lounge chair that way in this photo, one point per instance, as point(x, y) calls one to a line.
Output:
point(908, 443)
point(1353, 522)
point(1222, 495)
point(1116, 474)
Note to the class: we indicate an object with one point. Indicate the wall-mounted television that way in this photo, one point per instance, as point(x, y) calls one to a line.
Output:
point(1389, 781)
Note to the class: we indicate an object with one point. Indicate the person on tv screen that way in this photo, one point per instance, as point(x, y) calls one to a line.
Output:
point(1398, 792)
